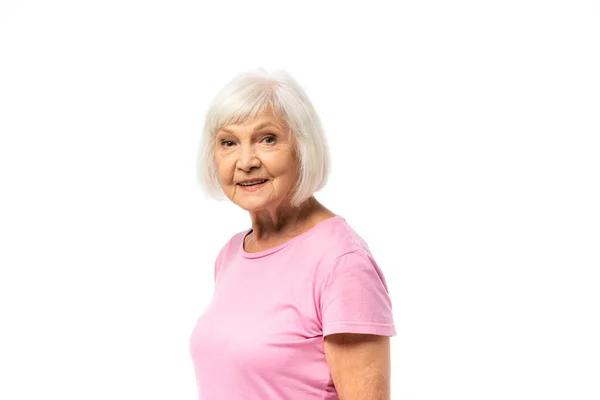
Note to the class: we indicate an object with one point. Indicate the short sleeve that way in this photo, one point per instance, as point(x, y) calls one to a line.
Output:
point(355, 298)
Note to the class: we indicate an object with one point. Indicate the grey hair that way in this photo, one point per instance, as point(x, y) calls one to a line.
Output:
point(246, 97)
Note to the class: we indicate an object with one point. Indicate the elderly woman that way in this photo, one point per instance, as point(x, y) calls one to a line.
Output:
point(300, 309)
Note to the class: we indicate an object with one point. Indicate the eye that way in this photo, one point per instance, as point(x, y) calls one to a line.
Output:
point(227, 143)
point(270, 139)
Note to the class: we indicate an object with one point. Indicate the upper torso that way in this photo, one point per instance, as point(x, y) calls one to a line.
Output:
point(262, 335)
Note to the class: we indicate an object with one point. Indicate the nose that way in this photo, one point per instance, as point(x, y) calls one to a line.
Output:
point(247, 158)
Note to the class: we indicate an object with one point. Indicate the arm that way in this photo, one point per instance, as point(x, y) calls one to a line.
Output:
point(360, 365)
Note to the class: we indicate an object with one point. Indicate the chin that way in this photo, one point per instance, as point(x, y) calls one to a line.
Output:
point(252, 205)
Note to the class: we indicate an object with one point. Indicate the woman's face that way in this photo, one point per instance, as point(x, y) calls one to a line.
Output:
point(256, 163)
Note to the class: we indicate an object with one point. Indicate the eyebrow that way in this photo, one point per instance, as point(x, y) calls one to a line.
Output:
point(258, 127)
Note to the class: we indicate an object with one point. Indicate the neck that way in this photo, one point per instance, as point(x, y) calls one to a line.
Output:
point(285, 221)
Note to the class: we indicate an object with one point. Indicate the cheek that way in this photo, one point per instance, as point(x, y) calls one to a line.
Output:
point(224, 170)
point(287, 171)
point(281, 163)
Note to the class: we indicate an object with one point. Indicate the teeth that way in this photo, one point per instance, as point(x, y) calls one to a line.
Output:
point(252, 183)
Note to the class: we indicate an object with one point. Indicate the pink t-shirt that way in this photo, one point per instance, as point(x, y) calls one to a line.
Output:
point(261, 337)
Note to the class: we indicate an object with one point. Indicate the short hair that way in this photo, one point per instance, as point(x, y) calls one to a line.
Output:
point(248, 96)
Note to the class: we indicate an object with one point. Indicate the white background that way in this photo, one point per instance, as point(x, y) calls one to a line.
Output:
point(464, 141)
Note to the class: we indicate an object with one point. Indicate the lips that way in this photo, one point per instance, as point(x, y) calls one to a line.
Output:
point(252, 183)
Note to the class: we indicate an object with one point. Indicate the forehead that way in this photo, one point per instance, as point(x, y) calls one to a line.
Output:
point(262, 121)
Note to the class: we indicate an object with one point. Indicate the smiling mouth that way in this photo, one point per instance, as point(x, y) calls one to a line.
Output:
point(253, 183)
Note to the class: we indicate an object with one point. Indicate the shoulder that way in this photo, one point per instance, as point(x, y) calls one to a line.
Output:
point(336, 238)
point(229, 249)
point(334, 243)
